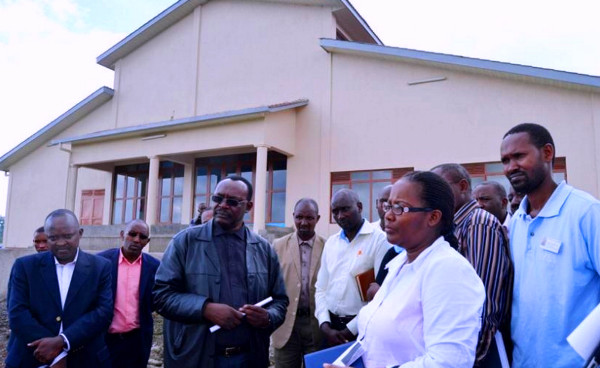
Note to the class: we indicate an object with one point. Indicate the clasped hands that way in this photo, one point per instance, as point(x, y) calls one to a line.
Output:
point(229, 318)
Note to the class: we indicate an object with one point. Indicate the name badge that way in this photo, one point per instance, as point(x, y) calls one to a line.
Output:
point(551, 245)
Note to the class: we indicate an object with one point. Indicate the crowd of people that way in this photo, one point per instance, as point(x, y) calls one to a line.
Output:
point(458, 272)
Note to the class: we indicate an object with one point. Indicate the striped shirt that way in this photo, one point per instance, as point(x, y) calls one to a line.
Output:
point(483, 241)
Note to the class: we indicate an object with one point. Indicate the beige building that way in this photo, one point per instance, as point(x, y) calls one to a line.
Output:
point(299, 96)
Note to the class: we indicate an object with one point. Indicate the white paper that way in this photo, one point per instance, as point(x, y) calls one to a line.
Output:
point(216, 328)
point(586, 337)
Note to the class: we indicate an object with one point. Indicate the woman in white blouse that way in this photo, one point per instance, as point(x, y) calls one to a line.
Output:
point(428, 310)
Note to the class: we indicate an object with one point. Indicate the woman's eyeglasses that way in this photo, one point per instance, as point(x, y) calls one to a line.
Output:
point(399, 210)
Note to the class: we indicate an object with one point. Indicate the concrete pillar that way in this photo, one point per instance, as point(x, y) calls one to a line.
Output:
point(188, 194)
point(71, 187)
point(260, 190)
point(152, 200)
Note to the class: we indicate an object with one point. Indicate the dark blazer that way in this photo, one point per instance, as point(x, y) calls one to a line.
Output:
point(35, 309)
point(190, 275)
point(149, 267)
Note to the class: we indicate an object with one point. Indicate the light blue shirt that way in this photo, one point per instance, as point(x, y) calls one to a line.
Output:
point(556, 257)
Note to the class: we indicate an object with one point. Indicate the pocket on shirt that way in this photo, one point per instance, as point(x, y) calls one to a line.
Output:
point(362, 263)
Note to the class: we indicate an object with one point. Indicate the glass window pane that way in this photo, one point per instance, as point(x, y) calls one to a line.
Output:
point(141, 189)
point(178, 186)
point(201, 180)
point(278, 208)
point(141, 209)
point(166, 186)
point(500, 179)
point(128, 210)
point(117, 212)
point(382, 174)
point(164, 210)
point(558, 177)
point(246, 172)
point(215, 177)
point(363, 175)
point(336, 187)
point(120, 186)
point(279, 179)
point(130, 186)
point(475, 181)
point(495, 167)
point(176, 210)
point(364, 194)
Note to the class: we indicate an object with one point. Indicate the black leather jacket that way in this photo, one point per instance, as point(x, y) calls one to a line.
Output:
point(189, 276)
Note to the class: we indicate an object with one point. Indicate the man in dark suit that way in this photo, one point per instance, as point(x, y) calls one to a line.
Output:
point(129, 337)
point(60, 301)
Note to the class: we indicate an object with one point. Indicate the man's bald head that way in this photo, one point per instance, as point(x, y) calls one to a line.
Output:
point(347, 194)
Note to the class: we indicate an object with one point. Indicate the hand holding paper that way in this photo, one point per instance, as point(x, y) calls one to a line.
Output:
point(586, 337)
point(215, 328)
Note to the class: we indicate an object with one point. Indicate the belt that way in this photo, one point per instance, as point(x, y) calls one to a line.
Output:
point(124, 335)
point(342, 319)
point(231, 351)
point(301, 312)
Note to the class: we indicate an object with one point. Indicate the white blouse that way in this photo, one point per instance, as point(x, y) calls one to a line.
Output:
point(426, 314)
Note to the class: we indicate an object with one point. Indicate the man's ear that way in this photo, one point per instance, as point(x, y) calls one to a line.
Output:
point(504, 203)
point(122, 233)
point(435, 217)
point(548, 152)
point(249, 206)
point(360, 206)
point(464, 185)
point(318, 218)
point(80, 231)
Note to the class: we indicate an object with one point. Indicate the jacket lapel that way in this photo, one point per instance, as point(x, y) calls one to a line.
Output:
point(293, 250)
point(144, 276)
point(205, 236)
point(48, 275)
point(115, 271)
point(80, 275)
point(315, 258)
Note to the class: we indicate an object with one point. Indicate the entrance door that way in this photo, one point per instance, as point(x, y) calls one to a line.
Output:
point(92, 207)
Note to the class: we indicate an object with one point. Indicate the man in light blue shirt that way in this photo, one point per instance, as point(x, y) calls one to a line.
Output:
point(555, 246)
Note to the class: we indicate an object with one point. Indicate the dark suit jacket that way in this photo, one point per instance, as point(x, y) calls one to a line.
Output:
point(35, 309)
point(149, 267)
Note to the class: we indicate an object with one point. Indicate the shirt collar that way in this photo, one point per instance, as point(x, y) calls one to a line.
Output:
point(219, 231)
point(552, 206)
point(464, 211)
point(72, 262)
point(310, 241)
point(122, 258)
point(401, 258)
point(366, 228)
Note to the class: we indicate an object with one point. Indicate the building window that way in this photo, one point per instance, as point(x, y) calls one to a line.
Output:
point(92, 207)
point(367, 184)
point(210, 170)
point(171, 192)
point(494, 171)
point(129, 194)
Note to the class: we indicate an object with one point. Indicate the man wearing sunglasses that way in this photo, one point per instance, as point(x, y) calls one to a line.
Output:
point(129, 336)
point(213, 274)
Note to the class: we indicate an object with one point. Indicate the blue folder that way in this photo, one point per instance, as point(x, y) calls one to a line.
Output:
point(318, 358)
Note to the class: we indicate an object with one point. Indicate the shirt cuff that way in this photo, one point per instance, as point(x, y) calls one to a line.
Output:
point(68, 347)
point(323, 317)
point(353, 326)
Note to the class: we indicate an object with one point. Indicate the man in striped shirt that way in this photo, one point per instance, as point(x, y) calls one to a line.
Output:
point(483, 241)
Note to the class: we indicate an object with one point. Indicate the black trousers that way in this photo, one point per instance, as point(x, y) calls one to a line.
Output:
point(126, 350)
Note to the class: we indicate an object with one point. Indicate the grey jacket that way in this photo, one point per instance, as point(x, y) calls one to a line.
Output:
point(189, 276)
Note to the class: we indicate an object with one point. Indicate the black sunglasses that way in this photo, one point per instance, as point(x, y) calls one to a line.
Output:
point(231, 202)
point(133, 234)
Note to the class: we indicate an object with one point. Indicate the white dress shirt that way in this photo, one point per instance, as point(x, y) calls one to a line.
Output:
point(506, 223)
point(341, 261)
point(426, 314)
point(64, 274)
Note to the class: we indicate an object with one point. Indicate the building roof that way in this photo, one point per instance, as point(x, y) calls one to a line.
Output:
point(77, 112)
point(496, 68)
point(182, 8)
point(184, 123)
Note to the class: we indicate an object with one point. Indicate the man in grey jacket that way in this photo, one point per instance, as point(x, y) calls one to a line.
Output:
point(213, 274)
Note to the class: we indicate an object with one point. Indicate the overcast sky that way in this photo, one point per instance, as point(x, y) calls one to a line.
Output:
point(48, 48)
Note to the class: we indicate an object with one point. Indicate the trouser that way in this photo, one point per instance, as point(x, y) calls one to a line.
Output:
point(241, 360)
point(126, 350)
point(300, 343)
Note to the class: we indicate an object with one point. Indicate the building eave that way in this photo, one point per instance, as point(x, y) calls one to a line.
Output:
point(74, 114)
point(146, 130)
point(555, 77)
point(182, 8)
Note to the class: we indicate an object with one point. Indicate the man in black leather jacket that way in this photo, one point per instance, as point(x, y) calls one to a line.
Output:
point(213, 274)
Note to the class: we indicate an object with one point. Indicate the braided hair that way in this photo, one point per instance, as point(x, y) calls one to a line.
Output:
point(436, 193)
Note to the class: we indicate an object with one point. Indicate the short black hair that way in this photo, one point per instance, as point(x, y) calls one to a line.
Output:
point(245, 181)
point(61, 213)
point(310, 201)
point(499, 188)
point(455, 171)
point(39, 230)
point(539, 136)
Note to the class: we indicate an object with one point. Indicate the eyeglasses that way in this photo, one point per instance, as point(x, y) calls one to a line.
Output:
point(231, 202)
point(133, 234)
point(399, 210)
point(54, 238)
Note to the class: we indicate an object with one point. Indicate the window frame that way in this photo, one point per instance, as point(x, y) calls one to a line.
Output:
point(136, 174)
